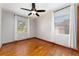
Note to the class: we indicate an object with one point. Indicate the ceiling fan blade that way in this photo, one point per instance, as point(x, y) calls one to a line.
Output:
point(29, 14)
point(40, 10)
point(37, 14)
point(33, 5)
point(25, 9)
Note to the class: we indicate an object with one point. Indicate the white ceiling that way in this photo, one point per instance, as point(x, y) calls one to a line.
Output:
point(15, 7)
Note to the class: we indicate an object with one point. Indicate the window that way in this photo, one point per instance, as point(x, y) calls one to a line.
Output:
point(21, 26)
point(61, 21)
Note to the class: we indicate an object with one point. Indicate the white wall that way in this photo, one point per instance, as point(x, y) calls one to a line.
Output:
point(43, 24)
point(32, 27)
point(8, 29)
point(0, 27)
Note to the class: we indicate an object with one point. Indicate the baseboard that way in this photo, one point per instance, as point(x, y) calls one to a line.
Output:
point(55, 43)
point(18, 40)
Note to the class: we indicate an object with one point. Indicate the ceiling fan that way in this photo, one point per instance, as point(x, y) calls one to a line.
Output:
point(33, 10)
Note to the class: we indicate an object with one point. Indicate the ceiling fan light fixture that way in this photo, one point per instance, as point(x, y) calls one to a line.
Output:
point(33, 12)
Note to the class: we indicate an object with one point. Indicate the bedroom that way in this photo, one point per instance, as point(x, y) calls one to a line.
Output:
point(50, 32)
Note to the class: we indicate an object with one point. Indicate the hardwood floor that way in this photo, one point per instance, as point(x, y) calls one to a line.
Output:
point(35, 47)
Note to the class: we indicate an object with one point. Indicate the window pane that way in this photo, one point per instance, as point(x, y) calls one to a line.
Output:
point(61, 21)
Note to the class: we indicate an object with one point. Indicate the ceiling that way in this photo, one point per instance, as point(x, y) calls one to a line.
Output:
point(15, 7)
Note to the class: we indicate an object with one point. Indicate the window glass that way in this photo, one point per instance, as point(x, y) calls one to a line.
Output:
point(61, 21)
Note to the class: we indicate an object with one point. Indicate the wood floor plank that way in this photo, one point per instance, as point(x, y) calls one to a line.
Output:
point(35, 47)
